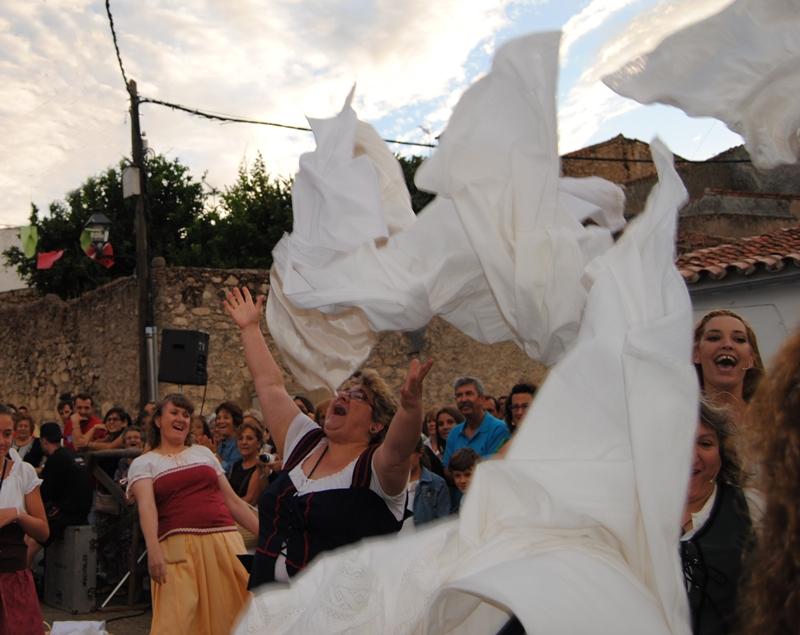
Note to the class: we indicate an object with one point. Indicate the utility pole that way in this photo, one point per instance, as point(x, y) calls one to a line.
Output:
point(145, 312)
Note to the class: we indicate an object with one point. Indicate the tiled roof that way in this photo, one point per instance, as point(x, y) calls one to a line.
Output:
point(767, 253)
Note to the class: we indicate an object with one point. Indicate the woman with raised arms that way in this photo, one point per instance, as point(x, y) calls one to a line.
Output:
point(338, 485)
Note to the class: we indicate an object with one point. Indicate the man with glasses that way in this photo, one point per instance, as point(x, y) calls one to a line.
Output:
point(520, 399)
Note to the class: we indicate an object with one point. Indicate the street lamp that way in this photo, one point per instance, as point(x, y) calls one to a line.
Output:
point(98, 227)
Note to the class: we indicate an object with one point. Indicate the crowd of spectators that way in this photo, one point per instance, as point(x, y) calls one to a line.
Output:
point(722, 512)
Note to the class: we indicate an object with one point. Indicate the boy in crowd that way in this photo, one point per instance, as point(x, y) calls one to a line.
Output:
point(462, 466)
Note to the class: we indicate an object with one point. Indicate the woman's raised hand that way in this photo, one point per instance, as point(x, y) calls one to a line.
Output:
point(240, 306)
point(411, 392)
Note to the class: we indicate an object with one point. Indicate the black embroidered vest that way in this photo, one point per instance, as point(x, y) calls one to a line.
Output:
point(712, 563)
point(307, 525)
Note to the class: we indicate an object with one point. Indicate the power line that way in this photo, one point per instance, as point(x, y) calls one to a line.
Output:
point(227, 118)
point(116, 44)
point(625, 160)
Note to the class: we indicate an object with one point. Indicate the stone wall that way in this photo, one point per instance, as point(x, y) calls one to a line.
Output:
point(49, 346)
point(635, 164)
point(191, 298)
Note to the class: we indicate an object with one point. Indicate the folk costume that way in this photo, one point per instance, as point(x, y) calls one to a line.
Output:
point(300, 517)
point(206, 583)
point(19, 605)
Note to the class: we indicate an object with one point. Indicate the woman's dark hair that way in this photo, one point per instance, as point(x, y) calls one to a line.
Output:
point(320, 411)
point(121, 413)
point(233, 410)
point(177, 399)
point(457, 416)
point(305, 401)
point(256, 429)
point(718, 420)
point(753, 374)
point(204, 423)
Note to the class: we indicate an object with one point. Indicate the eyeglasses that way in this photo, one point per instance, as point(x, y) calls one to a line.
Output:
point(355, 393)
point(520, 406)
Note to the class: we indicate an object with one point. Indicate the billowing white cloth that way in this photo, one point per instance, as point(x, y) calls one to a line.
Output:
point(499, 253)
point(741, 65)
point(577, 530)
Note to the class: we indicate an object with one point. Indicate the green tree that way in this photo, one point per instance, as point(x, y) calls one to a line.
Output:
point(240, 231)
point(176, 202)
point(253, 215)
point(419, 199)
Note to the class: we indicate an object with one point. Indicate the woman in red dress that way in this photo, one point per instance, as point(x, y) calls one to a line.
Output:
point(188, 514)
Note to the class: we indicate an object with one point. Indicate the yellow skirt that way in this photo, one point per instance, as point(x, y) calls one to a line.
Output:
point(206, 585)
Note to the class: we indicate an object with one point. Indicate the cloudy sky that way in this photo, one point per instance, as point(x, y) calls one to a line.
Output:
point(64, 109)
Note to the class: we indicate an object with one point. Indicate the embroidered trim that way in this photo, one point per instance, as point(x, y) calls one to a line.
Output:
point(180, 468)
point(197, 530)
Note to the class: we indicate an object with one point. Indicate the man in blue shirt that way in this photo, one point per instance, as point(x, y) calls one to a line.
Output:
point(480, 431)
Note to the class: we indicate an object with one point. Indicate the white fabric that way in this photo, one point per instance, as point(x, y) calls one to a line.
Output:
point(152, 464)
point(741, 65)
point(577, 530)
point(21, 479)
point(342, 479)
point(499, 253)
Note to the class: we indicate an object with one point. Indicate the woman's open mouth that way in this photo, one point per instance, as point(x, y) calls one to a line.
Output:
point(726, 361)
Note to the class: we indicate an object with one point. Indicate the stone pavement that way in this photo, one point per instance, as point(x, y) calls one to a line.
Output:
point(130, 622)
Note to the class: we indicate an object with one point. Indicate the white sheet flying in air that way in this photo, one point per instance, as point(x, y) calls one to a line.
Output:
point(576, 531)
point(499, 253)
point(741, 65)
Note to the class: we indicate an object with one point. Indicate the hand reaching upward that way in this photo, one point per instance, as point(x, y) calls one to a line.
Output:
point(240, 306)
point(411, 392)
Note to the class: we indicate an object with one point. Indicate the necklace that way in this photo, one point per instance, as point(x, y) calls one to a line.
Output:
point(319, 460)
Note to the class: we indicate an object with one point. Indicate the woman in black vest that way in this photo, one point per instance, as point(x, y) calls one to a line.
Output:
point(716, 527)
point(339, 484)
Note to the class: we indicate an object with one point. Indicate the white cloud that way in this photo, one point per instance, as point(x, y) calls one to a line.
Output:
point(589, 19)
point(63, 106)
point(648, 29)
point(589, 103)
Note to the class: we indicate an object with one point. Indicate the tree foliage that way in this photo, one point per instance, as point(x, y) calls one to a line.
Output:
point(419, 199)
point(186, 225)
point(175, 201)
point(251, 218)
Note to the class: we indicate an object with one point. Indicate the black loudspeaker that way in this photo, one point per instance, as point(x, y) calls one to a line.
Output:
point(183, 358)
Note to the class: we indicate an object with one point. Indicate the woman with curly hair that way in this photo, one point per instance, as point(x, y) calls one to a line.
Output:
point(716, 526)
point(771, 597)
point(727, 359)
point(341, 482)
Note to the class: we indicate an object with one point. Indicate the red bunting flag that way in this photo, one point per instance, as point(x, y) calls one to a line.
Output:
point(105, 257)
point(46, 259)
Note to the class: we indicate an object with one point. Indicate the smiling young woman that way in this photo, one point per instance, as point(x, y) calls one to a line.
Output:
point(727, 359)
point(187, 511)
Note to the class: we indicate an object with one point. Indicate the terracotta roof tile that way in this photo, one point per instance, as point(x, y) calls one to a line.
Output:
point(767, 253)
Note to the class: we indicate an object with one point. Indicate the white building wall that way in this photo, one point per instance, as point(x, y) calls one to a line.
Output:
point(9, 237)
point(772, 308)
